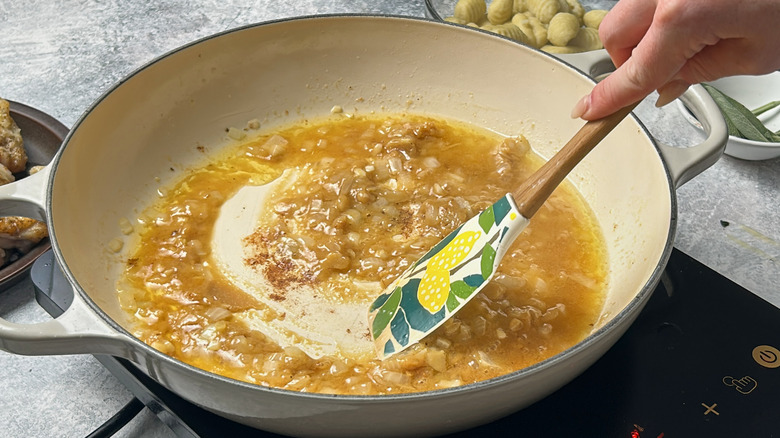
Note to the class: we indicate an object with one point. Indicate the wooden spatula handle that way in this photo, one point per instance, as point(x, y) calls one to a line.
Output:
point(530, 196)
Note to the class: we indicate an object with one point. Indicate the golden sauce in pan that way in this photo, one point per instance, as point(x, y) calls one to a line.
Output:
point(373, 195)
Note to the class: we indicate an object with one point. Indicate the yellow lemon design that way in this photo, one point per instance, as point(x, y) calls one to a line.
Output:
point(434, 289)
point(455, 251)
point(435, 284)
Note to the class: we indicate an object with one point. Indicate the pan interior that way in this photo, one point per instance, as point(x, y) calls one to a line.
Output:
point(153, 126)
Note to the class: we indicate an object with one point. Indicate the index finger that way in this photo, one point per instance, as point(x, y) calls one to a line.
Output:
point(624, 26)
point(654, 62)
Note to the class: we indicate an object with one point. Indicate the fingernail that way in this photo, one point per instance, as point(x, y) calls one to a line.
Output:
point(582, 106)
point(669, 92)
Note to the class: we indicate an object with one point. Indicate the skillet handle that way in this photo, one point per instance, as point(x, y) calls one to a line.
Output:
point(27, 196)
point(683, 163)
point(78, 330)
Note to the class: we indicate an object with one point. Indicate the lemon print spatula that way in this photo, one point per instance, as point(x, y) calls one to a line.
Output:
point(452, 272)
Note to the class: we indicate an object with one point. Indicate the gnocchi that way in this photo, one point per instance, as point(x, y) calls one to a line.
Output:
point(554, 26)
point(509, 30)
point(563, 28)
point(500, 11)
point(576, 8)
point(532, 28)
point(470, 11)
point(593, 18)
point(544, 10)
point(587, 39)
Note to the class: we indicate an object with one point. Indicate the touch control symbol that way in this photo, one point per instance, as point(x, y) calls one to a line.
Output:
point(767, 356)
point(745, 385)
point(710, 409)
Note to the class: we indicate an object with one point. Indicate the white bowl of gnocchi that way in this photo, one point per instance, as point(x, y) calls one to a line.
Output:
point(553, 26)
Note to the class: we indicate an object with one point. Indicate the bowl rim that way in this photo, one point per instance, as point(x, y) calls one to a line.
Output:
point(434, 13)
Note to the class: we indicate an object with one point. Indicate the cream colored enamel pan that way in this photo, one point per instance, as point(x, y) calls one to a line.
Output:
point(145, 130)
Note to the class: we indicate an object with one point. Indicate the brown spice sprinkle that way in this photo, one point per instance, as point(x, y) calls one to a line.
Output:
point(277, 297)
point(280, 271)
point(375, 193)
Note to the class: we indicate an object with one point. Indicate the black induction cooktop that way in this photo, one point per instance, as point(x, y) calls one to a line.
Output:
point(701, 360)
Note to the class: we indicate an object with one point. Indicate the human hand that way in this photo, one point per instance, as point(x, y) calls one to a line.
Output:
point(668, 45)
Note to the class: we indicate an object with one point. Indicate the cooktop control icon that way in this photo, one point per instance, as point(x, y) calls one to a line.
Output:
point(745, 385)
point(767, 356)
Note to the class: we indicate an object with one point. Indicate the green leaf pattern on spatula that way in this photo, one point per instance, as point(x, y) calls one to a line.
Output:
point(443, 280)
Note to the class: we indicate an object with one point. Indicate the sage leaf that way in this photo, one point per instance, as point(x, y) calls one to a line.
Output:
point(766, 107)
point(741, 120)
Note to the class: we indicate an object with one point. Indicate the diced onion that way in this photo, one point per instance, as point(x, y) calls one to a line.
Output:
point(431, 162)
point(217, 313)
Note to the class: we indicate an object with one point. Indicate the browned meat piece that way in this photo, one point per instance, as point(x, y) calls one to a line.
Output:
point(17, 234)
point(5, 175)
point(21, 233)
point(509, 153)
point(12, 154)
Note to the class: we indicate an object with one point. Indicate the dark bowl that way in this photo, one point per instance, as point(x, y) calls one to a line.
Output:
point(43, 135)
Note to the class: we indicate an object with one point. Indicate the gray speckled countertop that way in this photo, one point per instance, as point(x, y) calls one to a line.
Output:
point(59, 56)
